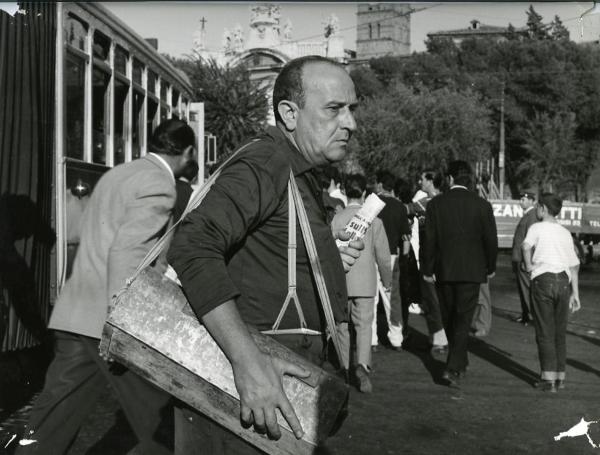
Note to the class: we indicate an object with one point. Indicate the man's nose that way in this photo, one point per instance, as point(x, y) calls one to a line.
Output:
point(348, 122)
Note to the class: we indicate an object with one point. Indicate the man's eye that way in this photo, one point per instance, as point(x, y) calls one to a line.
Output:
point(334, 109)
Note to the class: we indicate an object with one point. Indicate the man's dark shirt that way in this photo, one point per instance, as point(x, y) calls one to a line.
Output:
point(234, 246)
point(395, 221)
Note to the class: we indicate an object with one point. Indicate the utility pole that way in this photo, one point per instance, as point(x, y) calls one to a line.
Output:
point(501, 152)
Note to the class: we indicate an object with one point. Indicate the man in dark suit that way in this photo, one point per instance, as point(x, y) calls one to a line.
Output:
point(460, 254)
point(527, 202)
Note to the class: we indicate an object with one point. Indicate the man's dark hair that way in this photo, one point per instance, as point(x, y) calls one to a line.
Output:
point(387, 180)
point(552, 202)
point(403, 190)
point(438, 180)
point(289, 85)
point(355, 185)
point(190, 171)
point(461, 172)
point(171, 137)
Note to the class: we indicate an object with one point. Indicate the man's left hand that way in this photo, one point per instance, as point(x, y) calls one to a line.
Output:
point(351, 252)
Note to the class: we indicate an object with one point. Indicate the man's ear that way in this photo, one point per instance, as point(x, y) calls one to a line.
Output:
point(288, 111)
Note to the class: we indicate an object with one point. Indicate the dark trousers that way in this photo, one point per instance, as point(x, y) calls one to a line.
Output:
point(431, 307)
point(197, 434)
point(524, 287)
point(409, 285)
point(551, 293)
point(74, 381)
point(457, 304)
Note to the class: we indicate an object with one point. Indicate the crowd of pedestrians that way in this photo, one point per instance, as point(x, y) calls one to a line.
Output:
point(443, 247)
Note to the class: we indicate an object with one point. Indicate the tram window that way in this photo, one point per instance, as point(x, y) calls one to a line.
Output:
point(164, 87)
point(138, 70)
point(75, 91)
point(121, 91)
point(175, 98)
point(99, 116)
point(152, 77)
point(152, 108)
point(121, 57)
point(136, 124)
point(76, 31)
point(101, 46)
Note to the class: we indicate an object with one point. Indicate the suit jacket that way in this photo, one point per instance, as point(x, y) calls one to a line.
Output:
point(125, 216)
point(361, 280)
point(520, 232)
point(461, 242)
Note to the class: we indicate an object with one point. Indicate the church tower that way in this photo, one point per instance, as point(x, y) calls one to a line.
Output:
point(382, 29)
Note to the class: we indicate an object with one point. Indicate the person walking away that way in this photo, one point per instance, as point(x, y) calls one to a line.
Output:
point(361, 283)
point(549, 256)
point(461, 246)
point(395, 222)
point(127, 213)
point(431, 183)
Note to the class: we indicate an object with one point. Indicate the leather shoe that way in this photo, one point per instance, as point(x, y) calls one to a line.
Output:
point(452, 378)
point(364, 382)
point(546, 386)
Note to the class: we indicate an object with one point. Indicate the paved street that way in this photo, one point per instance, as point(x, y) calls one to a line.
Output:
point(496, 411)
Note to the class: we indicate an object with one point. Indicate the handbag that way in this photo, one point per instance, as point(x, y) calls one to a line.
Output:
point(153, 331)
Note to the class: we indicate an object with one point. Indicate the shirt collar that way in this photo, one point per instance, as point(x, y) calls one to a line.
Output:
point(298, 163)
point(164, 163)
point(459, 186)
point(528, 209)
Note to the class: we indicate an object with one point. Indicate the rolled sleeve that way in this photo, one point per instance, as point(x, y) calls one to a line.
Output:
point(243, 196)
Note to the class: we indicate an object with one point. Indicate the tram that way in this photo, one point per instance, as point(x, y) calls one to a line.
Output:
point(80, 92)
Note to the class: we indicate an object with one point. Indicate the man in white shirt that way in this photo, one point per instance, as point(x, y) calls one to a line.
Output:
point(549, 255)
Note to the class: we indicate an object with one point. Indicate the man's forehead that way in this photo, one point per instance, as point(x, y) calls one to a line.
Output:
point(323, 75)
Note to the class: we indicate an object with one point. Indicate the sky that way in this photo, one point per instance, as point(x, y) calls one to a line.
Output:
point(174, 23)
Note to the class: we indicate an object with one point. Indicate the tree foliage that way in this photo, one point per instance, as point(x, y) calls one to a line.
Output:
point(235, 107)
point(540, 73)
point(405, 130)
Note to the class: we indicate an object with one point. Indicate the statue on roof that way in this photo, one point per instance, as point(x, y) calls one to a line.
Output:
point(287, 30)
point(332, 26)
point(237, 39)
point(227, 41)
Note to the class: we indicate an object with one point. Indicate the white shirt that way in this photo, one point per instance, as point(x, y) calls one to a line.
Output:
point(554, 251)
point(165, 164)
point(337, 193)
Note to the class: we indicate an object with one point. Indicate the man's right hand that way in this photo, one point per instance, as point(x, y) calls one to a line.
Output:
point(259, 384)
point(258, 377)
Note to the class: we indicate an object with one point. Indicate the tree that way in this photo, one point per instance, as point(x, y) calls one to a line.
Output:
point(557, 160)
point(365, 82)
point(235, 107)
point(535, 26)
point(407, 130)
point(558, 31)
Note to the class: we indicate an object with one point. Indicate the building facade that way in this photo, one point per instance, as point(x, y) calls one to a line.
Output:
point(382, 29)
point(269, 45)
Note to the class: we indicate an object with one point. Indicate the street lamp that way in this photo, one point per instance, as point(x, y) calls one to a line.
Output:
point(593, 10)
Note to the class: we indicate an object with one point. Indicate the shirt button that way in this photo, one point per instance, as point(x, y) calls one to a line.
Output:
point(338, 294)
